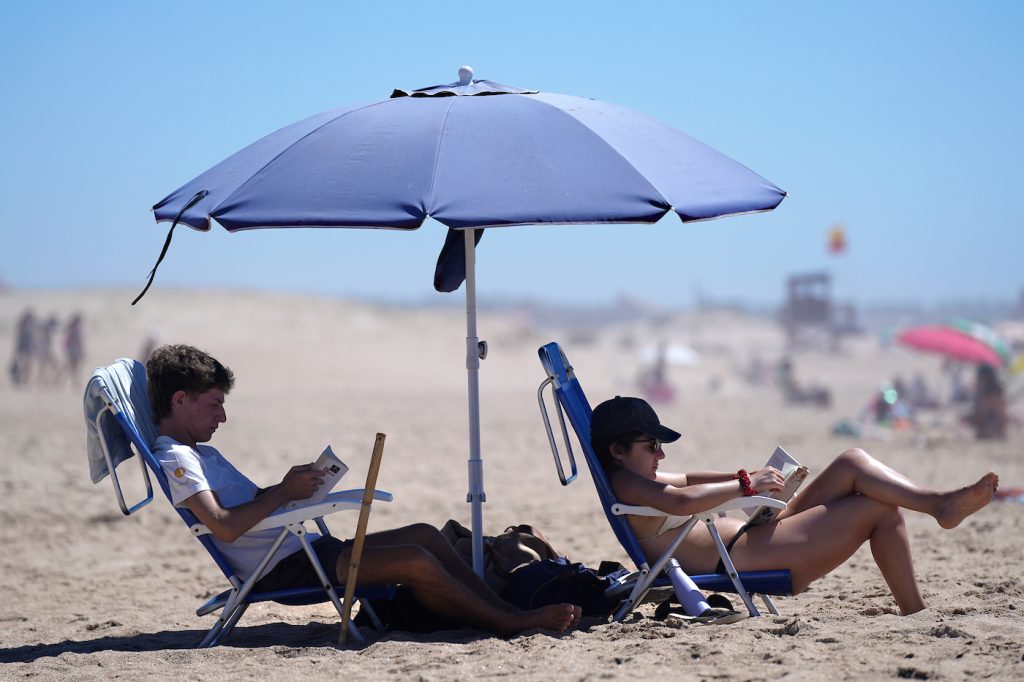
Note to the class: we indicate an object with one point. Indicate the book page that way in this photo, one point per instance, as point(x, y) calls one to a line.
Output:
point(793, 473)
point(336, 469)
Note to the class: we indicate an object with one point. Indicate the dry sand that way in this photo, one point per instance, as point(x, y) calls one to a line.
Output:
point(88, 593)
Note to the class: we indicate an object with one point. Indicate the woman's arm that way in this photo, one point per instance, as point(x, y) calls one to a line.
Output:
point(690, 499)
point(697, 477)
point(693, 478)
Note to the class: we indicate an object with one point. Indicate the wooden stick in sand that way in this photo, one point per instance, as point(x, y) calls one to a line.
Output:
point(357, 544)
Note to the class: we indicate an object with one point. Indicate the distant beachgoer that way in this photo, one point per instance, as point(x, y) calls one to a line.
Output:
point(24, 348)
point(793, 392)
point(958, 392)
point(74, 347)
point(988, 415)
point(855, 499)
point(653, 379)
point(149, 345)
point(920, 394)
point(49, 368)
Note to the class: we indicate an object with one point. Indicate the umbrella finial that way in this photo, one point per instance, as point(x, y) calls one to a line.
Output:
point(465, 75)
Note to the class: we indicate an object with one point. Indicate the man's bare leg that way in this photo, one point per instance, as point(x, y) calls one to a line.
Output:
point(440, 592)
point(430, 539)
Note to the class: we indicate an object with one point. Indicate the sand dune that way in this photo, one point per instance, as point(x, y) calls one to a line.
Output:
point(91, 594)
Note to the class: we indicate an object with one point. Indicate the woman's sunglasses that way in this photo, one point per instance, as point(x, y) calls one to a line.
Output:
point(655, 443)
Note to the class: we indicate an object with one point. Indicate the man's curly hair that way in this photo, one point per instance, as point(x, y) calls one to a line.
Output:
point(182, 368)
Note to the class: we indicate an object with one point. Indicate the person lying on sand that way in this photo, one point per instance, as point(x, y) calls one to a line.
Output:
point(854, 500)
point(187, 388)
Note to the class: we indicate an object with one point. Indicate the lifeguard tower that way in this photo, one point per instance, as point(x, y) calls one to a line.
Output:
point(810, 316)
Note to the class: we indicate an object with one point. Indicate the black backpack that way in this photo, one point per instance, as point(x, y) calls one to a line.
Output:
point(556, 581)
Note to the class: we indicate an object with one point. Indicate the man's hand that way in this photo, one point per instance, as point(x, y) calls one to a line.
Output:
point(302, 481)
point(767, 479)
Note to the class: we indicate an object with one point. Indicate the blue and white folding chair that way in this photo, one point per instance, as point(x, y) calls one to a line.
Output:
point(571, 402)
point(120, 424)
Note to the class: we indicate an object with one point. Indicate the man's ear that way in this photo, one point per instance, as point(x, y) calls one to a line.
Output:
point(618, 452)
point(178, 399)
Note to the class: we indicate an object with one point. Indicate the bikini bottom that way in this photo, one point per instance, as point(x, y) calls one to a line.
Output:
point(720, 567)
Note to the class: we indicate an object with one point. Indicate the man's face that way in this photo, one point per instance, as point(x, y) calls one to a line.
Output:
point(200, 415)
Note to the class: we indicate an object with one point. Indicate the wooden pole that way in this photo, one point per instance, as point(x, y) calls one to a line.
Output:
point(357, 544)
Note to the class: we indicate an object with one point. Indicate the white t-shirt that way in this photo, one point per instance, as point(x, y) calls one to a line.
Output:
point(190, 471)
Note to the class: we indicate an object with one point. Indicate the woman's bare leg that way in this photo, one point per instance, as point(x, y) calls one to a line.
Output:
point(856, 472)
point(814, 541)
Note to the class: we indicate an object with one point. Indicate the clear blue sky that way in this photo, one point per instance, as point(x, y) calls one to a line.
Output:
point(902, 121)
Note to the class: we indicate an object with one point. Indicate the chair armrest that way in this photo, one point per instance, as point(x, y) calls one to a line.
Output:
point(730, 505)
point(333, 502)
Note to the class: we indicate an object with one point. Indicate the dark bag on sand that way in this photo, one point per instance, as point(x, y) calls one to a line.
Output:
point(557, 581)
point(503, 554)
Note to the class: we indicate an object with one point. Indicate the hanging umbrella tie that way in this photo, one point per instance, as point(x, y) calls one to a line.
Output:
point(200, 195)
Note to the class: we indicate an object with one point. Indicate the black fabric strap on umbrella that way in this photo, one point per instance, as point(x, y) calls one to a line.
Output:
point(200, 195)
point(450, 272)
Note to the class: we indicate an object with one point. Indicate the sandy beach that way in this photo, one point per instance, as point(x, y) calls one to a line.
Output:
point(90, 594)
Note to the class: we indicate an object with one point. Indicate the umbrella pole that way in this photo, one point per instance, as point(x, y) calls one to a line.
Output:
point(476, 496)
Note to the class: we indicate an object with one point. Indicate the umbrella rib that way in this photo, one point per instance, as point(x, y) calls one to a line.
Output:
point(437, 155)
point(252, 176)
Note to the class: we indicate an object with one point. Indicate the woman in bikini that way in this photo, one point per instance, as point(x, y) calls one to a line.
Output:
point(856, 499)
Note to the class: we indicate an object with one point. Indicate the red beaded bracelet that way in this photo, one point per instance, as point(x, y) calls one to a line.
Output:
point(744, 480)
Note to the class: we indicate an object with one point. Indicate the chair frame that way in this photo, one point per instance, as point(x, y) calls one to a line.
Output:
point(570, 402)
point(233, 602)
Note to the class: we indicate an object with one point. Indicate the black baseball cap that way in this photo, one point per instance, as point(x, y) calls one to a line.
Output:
point(621, 415)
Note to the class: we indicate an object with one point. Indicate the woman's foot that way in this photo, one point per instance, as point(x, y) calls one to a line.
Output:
point(959, 504)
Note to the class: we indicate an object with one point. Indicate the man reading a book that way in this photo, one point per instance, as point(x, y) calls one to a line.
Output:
point(856, 499)
point(187, 390)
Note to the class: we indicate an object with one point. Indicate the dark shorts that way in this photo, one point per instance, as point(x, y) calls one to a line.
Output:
point(295, 570)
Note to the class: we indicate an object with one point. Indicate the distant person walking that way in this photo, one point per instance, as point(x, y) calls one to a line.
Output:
point(49, 369)
point(149, 345)
point(24, 345)
point(74, 347)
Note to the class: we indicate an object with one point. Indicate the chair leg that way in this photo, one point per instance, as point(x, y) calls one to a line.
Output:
point(640, 588)
point(230, 624)
point(731, 570)
point(364, 605)
point(224, 625)
point(328, 587)
point(770, 604)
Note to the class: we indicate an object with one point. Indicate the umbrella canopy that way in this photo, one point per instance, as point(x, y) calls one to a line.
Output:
point(470, 155)
point(950, 343)
point(474, 154)
point(986, 335)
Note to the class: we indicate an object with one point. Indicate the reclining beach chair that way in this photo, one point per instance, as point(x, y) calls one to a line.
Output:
point(571, 402)
point(120, 424)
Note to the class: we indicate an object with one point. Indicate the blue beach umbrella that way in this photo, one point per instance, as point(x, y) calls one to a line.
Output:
point(471, 155)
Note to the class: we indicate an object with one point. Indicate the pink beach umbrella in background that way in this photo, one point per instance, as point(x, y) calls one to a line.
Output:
point(951, 343)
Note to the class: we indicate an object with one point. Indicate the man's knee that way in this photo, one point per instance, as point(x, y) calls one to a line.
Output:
point(420, 565)
point(425, 535)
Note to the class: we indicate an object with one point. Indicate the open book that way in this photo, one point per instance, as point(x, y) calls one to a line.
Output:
point(793, 472)
point(336, 469)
